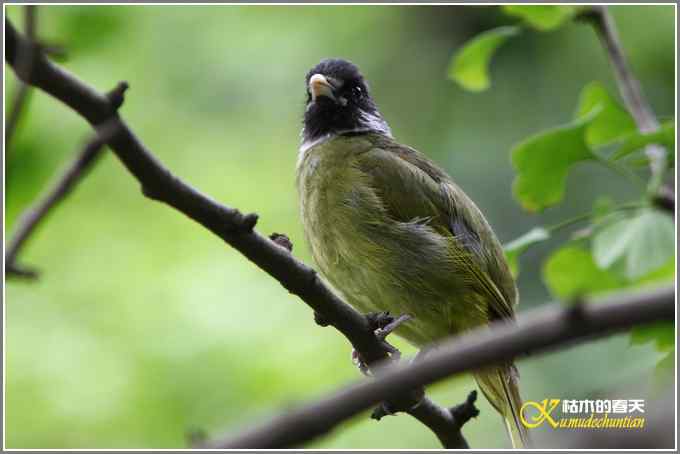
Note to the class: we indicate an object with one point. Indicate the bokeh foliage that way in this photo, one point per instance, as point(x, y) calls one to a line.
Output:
point(144, 327)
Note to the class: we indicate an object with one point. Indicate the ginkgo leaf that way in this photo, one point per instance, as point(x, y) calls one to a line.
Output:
point(664, 371)
point(611, 242)
point(571, 272)
point(661, 333)
point(642, 243)
point(612, 123)
point(652, 244)
point(543, 17)
point(469, 67)
point(542, 163)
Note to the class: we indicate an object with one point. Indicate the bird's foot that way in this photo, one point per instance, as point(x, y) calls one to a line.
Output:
point(382, 324)
point(358, 361)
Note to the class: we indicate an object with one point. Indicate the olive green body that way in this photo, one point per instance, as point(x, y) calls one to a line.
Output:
point(377, 227)
point(391, 232)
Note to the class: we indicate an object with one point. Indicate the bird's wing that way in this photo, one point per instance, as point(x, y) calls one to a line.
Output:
point(412, 187)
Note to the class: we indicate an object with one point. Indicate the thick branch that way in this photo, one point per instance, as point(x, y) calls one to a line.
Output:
point(630, 90)
point(32, 217)
point(229, 224)
point(539, 331)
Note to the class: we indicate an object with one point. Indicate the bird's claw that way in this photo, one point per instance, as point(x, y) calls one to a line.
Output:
point(383, 331)
point(358, 361)
point(382, 324)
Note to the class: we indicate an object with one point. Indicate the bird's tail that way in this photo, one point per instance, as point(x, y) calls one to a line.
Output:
point(501, 388)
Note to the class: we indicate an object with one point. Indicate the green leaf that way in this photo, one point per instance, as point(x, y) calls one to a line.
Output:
point(652, 245)
point(571, 272)
point(469, 67)
point(643, 243)
point(611, 242)
point(613, 122)
point(542, 163)
point(517, 246)
point(662, 334)
point(542, 17)
point(665, 136)
point(664, 273)
point(664, 371)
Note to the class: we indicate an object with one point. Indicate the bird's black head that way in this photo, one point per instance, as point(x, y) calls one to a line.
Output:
point(338, 101)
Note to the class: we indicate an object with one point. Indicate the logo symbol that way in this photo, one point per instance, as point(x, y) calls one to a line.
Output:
point(544, 408)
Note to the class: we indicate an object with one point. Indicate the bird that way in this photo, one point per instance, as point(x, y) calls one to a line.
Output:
point(391, 231)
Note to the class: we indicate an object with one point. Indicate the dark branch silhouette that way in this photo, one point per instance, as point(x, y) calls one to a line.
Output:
point(535, 332)
point(629, 86)
point(23, 90)
point(235, 228)
point(32, 217)
point(634, 99)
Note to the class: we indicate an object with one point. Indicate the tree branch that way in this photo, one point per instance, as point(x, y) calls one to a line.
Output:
point(23, 90)
point(630, 90)
point(32, 217)
point(227, 223)
point(538, 331)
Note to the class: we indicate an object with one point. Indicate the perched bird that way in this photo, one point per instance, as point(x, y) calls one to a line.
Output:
point(391, 231)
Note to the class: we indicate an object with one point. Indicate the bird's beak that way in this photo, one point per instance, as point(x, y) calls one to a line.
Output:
point(319, 86)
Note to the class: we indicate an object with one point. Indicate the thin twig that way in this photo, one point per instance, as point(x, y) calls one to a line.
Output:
point(36, 213)
point(629, 86)
point(23, 90)
point(236, 229)
point(630, 90)
point(14, 270)
point(18, 102)
point(538, 331)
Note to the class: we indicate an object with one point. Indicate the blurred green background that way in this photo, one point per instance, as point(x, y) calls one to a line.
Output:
point(144, 327)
